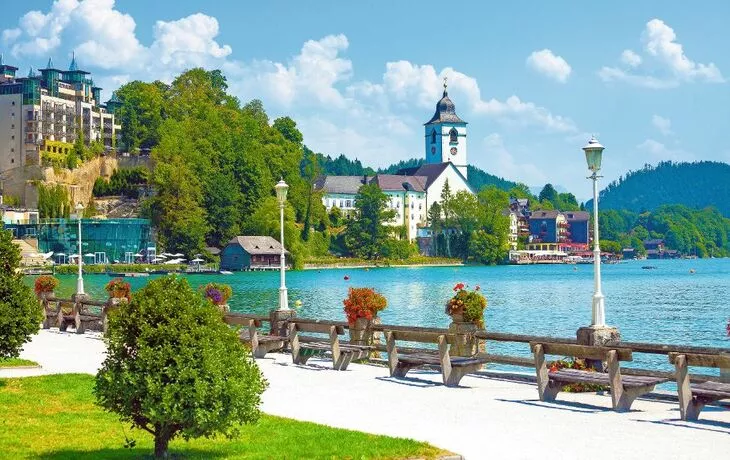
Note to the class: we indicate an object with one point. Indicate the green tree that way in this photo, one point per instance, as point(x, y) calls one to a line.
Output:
point(78, 151)
point(288, 128)
point(367, 233)
point(53, 201)
point(174, 368)
point(447, 215)
point(548, 193)
point(20, 311)
point(521, 191)
point(266, 221)
point(176, 211)
point(486, 248)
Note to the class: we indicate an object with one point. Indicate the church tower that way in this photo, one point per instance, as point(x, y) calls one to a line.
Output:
point(445, 135)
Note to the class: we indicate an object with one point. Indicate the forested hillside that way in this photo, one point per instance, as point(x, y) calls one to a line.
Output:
point(695, 185)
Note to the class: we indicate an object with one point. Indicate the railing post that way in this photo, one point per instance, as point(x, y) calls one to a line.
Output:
point(279, 319)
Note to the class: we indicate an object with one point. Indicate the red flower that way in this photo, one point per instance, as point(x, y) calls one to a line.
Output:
point(459, 286)
point(477, 288)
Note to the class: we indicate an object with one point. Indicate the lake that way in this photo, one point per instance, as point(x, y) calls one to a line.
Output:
point(667, 304)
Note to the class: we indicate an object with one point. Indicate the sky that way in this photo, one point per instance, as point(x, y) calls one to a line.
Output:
point(534, 80)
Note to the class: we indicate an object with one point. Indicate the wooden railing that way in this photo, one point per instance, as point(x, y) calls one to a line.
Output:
point(484, 335)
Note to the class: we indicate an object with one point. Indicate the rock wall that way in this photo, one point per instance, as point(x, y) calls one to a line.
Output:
point(23, 182)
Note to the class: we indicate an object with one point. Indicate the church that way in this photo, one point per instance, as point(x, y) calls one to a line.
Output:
point(412, 191)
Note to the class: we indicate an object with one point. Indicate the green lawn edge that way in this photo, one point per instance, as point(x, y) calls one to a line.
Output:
point(7, 363)
point(54, 417)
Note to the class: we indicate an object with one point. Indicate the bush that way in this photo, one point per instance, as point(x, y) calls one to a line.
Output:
point(399, 249)
point(174, 368)
point(363, 303)
point(20, 312)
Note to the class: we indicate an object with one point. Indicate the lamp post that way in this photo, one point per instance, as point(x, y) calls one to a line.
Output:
point(281, 189)
point(594, 152)
point(80, 279)
point(598, 333)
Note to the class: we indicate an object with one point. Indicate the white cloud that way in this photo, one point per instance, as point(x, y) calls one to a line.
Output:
point(373, 120)
point(550, 65)
point(664, 125)
point(630, 58)
point(666, 65)
point(504, 164)
point(407, 82)
point(105, 37)
point(660, 152)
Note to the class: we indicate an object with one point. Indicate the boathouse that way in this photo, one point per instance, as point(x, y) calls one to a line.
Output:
point(251, 253)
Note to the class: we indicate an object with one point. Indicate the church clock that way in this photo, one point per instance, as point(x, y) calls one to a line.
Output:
point(453, 150)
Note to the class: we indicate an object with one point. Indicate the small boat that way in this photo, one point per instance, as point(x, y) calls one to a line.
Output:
point(225, 272)
point(649, 267)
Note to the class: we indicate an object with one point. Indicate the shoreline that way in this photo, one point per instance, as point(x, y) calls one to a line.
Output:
point(361, 266)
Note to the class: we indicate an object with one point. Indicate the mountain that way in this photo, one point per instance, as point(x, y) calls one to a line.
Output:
point(695, 185)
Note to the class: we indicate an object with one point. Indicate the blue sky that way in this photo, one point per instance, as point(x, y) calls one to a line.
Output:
point(534, 79)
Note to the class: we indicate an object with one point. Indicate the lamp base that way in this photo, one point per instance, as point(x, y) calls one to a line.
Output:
point(599, 336)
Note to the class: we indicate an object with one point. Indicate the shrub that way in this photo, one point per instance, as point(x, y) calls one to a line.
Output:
point(363, 303)
point(119, 289)
point(470, 304)
point(20, 312)
point(174, 368)
point(45, 283)
point(217, 293)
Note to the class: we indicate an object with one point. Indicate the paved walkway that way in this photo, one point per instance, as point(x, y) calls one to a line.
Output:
point(485, 419)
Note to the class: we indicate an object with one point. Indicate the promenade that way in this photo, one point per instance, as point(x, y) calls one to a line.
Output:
point(486, 418)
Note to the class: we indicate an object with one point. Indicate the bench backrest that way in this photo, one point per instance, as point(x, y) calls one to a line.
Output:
point(701, 360)
point(242, 320)
point(423, 337)
point(320, 328)
point(582, 351)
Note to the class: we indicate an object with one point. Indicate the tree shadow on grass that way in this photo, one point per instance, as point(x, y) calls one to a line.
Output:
point(122, 453)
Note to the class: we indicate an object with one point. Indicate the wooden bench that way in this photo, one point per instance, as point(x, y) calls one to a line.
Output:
point(79, 317)
point(694, 397)
point(453, 369)
point(260, 343)
point(624, 389)
point(304, 347)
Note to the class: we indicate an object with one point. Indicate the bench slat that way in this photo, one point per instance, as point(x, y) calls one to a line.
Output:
point(600, 378)
point(702, 360)
point(582, 351)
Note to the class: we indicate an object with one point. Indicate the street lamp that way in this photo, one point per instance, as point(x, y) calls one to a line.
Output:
point(80, 279)
point(594, 152)
point(281, 189)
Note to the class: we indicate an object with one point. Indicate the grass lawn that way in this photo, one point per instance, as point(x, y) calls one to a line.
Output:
point(16, 362)
point(55, 417)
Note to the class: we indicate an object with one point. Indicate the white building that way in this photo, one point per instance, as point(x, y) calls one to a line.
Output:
point(413, 191)
point(41, 115)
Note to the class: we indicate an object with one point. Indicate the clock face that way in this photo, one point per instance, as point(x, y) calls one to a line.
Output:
point(433, 149)
point(453, 150)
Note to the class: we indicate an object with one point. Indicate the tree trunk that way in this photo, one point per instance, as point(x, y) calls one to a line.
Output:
point(162, 439)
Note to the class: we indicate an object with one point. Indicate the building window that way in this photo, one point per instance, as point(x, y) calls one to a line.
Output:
point(453, 136)
point(341, 204)
point(433, 136)
point(13, 102)
point(348, 203)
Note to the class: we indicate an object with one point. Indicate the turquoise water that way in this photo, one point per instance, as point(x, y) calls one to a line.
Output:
point(667, 305)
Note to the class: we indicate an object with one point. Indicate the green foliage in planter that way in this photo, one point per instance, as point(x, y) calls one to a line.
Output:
point(20, 311)
point(174, 368)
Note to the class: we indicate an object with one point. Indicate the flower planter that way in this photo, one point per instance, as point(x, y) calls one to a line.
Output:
point(466, 344)
point(361, 331)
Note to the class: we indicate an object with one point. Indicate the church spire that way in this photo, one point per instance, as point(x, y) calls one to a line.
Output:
point(73, 66)
point(50, 63)
point(31, 74)
point(1, 59)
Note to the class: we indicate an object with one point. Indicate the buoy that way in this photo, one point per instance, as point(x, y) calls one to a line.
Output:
point(298, 304)
point(691, 270)
point(347, 277)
